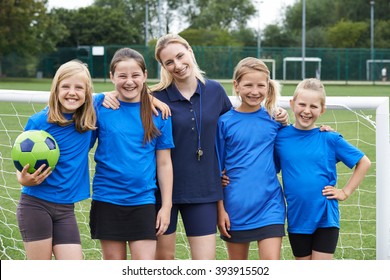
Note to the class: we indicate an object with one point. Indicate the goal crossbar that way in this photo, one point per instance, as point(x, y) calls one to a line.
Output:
point(273, 65)
point(300, 59)
point(372, 61)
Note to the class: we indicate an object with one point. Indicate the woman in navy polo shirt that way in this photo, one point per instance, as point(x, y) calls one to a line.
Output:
point(196, 104)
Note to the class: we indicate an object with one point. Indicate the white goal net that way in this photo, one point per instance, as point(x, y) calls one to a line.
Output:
point(365, 216)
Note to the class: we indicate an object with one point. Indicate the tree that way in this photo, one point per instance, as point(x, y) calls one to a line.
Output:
point(276, 36)
point(323, 17)
point(216, 14)
point(26, 29)
point(133, 12)
point(97, 26)
point(203, 37)
point(382, 34)
point(348, 34)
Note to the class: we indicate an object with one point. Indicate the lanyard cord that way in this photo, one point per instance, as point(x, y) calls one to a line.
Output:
point(199, 125)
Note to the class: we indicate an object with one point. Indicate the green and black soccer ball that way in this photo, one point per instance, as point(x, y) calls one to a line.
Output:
point(35, 147)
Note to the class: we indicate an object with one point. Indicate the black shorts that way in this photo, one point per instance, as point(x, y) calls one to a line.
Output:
point(40, 219)
point(258, 234)
point(323, 240)
point(122, 223)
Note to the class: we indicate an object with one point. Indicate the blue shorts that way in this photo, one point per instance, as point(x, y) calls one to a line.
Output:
point(258, 234)
point(323, 240)
point(199, 219)
point(40, 219)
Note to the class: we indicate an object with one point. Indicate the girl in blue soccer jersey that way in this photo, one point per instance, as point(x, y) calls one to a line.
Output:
point(308, 159)
point(253, 207)
point(45, 212)
point(133, 146)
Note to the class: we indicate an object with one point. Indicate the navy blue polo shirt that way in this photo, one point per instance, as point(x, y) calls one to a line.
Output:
point(195, 181)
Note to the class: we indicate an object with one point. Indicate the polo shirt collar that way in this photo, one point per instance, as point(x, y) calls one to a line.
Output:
point(175, 95)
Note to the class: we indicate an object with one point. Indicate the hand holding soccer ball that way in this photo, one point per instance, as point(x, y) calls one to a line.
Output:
point(35, 147)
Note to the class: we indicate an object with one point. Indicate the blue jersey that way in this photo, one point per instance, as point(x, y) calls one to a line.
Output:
point(195, 181)
point(308, 161)
point(125, 171)
point(245, 147)
point(69, 181)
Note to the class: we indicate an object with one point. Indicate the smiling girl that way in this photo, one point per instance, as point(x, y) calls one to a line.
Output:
point(45, 211)
point(253, 205)
point(308, 161)
point(133, 146)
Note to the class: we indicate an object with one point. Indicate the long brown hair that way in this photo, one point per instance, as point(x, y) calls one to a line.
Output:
point(252, 64)
point(84, 118)
point(166, 78)
point(146, 105)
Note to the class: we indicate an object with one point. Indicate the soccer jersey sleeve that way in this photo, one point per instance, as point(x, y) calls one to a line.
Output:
point(165, 139)
point(346, 152)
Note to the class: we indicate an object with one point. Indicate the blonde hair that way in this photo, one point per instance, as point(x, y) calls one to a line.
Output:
point(146, 105)
point(166, 78)
point(311, 84)
point(84, 118)
point(252, 64)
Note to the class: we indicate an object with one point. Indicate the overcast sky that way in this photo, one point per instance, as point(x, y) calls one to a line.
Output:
point(269, 13)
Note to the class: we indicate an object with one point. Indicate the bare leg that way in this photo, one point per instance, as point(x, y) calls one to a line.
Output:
point(307, 258)
point(203, 247)
point(113, 250)
point(142, 249)
point(238, 251)
point(39, 250)
point(269, 249)
point(68, 252)
point(166, 246)
point(315, 255)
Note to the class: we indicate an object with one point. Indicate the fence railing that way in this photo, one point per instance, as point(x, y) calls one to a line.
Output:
point(219, 62)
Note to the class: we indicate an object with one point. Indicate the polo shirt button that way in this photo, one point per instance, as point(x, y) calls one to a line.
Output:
point(193, 128)
point(193, 119)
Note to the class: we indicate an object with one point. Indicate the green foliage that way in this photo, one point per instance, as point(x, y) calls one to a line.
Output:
point(24, 19)
point(348, 34)
point(97, 26)
point(226, 15)
point(275, 35)
point(215, 37)
point(382, 34)
point(326, 24)
point(27, 30)
point(245, 36)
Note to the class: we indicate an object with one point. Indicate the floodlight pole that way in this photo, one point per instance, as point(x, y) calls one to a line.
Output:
point(146, 22)
point(159, 19)
point(159, 34)
point(372, 3)
point(303, 38)
point(259, 31)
